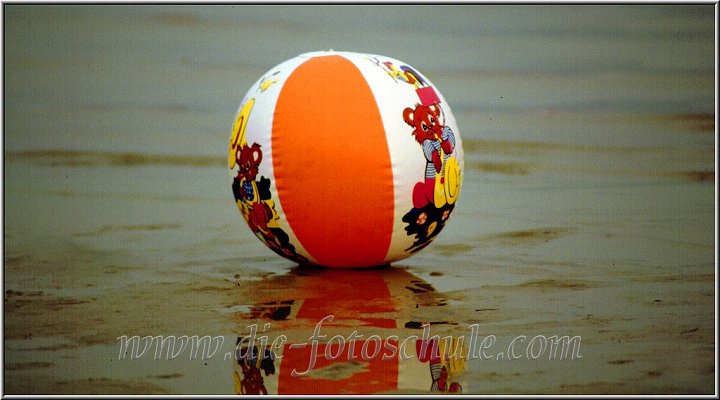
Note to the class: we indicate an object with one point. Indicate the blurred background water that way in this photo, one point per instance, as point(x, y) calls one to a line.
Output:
point(596, 120)
point(159, 79)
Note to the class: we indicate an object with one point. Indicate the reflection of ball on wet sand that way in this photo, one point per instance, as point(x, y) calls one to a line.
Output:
point(345, 160)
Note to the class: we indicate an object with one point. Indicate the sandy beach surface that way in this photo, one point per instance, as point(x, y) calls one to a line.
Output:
point(587, 208)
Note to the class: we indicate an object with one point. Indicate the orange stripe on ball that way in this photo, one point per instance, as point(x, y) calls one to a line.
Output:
point(332, 164)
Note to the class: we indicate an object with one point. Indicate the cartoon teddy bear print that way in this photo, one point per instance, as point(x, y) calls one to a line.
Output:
point(434, 137)
point(256, 199)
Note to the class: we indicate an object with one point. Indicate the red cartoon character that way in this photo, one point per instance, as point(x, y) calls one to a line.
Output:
point(259, 215)
point(258, 212)
point(252, 381)
point(248, 159)
point(437, 141)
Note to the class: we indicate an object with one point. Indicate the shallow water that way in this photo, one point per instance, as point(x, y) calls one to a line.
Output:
point(587, 206)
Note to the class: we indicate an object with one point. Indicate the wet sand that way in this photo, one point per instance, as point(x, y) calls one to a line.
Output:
point(627, 265)
point(578, 216)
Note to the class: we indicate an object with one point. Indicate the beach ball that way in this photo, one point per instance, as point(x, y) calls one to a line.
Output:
point(345, 160)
